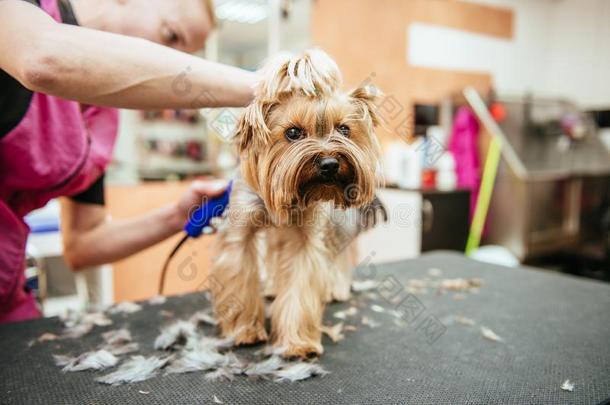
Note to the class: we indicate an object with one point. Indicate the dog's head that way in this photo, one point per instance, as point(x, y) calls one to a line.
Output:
point(302, 140)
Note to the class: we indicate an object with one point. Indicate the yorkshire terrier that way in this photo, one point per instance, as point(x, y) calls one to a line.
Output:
point(308, 159)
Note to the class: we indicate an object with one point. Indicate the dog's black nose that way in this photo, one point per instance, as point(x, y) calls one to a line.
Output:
point(329, 166)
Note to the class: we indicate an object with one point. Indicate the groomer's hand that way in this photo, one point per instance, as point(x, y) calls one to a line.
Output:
point(198, 193)
point(91, 238)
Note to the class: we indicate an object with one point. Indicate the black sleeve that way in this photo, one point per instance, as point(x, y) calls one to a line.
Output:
point(92, 195)
point(14, 103)
point(14, 97)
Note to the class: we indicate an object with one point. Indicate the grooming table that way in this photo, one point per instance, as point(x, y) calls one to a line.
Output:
point(554, 327)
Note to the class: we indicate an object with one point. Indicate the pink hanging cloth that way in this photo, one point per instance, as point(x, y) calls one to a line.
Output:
point(463, 145)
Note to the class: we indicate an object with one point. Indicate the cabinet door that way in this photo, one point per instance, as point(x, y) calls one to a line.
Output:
point(445, 220)
point(399, 238)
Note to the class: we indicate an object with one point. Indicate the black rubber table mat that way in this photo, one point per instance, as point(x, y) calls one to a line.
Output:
point(554, 327)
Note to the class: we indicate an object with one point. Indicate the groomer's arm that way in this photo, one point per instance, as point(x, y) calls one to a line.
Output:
point(100, 68)
point(91, 238)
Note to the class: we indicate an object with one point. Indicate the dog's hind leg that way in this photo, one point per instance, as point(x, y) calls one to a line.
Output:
point(235, 283)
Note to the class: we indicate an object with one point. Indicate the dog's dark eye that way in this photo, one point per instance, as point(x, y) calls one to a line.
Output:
point(294, 133)
point(343, 130)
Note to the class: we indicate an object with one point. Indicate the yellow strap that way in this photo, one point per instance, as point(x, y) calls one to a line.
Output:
point(487, 185)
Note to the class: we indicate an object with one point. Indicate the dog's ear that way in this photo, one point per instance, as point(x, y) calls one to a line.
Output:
point(252, 129)
point(368, 98)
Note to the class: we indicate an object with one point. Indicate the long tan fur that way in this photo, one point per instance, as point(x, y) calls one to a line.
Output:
point(309, 223)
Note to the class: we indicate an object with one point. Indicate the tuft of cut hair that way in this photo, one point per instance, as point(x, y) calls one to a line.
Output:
point(299, 371)
point(119, 342)
point(364, 285)
point(221, 374)
point(196, 360)
point(78, 324)
point(125, 307)
point(203, 317)
point(157, 300)
point(334, 332)
point(202, 358)
point(209, 343)
point(265, 368)
point(98, 360)
point(138, 368)
point(177, 333)
point(117, 336)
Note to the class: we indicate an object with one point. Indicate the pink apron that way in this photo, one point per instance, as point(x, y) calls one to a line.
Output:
point(56, 150)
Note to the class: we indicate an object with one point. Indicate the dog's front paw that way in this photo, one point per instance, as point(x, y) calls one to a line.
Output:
point(303, 350)
point(251, 334)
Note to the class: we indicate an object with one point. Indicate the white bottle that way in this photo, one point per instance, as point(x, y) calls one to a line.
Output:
point(411, 166)
point(446, 179)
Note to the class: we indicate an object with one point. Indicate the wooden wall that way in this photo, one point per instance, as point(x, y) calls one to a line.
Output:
point(368, 39)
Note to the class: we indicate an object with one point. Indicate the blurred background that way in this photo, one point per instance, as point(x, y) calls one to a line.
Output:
point(495, 131)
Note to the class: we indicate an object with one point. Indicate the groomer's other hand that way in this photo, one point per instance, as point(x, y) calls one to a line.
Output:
point(91, 238)
point(198, 193)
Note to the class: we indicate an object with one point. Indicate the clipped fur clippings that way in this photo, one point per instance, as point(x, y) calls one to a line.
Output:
point(98, 360)
point(117, 336)
point(265, 368)
point(210, 343)
point(77, 331)
point(364, 285)
point(138, 368)
point(177, 333)
point(203, 317)
point(233, 364)
point(490, 334)
point(74, 318)
point(119, 350)
point(78, 324)
point(119, 342)
point(335, 332)
point(196, 360)
point(462, 320)
point(371, 323)
point(47, 337)
point(157, 300)
point(351, 311)
point(221, 374)
point(567, 386)
point(299, 371)
point(125, 307)
point(461, 284)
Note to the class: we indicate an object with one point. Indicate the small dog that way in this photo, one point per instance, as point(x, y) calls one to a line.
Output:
point(309, 157)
